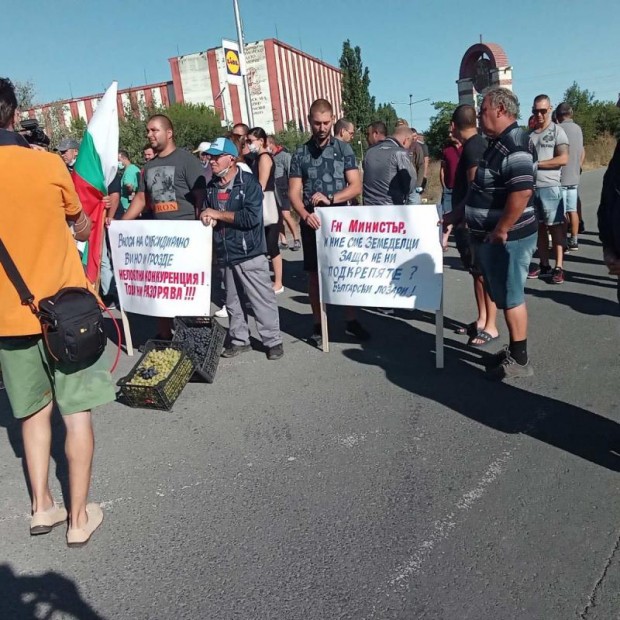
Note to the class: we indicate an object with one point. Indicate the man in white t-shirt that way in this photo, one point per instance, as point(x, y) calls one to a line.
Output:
point(551, 143)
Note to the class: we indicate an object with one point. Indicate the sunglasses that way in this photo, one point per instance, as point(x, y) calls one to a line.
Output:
point(542, 111)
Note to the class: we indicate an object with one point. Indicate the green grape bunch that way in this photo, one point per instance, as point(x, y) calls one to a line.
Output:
point(156, 367)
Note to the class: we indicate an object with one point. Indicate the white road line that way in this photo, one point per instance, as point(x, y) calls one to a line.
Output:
point(441, 529)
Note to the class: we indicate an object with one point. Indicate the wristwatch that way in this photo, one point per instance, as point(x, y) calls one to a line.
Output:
point(330, 197)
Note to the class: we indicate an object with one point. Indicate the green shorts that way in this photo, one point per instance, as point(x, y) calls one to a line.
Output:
point(32, 379)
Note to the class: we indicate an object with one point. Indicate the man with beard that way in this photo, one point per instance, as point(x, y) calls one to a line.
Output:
point(323, 173)
point(172, 183)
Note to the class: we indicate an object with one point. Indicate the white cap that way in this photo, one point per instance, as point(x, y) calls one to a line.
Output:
point(203, 147)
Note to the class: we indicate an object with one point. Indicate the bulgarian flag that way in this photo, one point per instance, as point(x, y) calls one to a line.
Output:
point(95, 168)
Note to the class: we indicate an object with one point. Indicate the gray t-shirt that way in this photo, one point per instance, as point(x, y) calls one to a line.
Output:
point(572, 171)
point(545, 142)
point(169, 183)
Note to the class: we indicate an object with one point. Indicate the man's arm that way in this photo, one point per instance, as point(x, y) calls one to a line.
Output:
point(406, 176)
point(81, 225)
point(442, 174)
point(583, 157)
point(418, 163)
point(559, 159)
point(515, 205)
point(248, 217)
point(111, 202)
point(136, 207)
point(457, 215)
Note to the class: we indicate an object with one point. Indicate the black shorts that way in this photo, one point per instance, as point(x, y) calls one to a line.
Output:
point(272, 236)
point(462, 237)
point(308, 244)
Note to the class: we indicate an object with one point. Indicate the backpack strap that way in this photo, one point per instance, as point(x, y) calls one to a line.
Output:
point(26, 297)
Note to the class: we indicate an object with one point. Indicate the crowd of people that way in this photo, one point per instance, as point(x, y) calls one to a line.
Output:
point(507, 191)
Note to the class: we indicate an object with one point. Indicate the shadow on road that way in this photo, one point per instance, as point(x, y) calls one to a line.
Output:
point(50, 595)
point(406, 355)
point(59, 434)
point(582, 303)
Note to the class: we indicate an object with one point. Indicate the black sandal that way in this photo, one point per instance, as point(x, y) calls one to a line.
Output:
point(481, 335)
point(467, 330)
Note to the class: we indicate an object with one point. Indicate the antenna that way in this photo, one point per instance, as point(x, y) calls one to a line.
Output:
point(145, 80)
point(276, 27)
point(480, 38)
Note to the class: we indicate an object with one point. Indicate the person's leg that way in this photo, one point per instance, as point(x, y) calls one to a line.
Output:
point(543, 245)
point(292, 225)
point(79, 448)
point(164, 328)
point(238, 326)
point(480, 295)
point(314, 296)
point(277, 264)
point(37, 437)
point(254, 277)
point(107, 274)
point(490, 325)
point(557, 241)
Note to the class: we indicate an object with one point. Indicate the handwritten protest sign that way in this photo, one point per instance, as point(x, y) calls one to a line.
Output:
point(162, 268)
point(380, 256)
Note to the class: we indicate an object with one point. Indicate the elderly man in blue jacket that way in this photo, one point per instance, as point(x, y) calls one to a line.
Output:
point(234, 207)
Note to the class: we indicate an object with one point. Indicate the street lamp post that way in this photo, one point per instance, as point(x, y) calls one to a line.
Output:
point(246, 86)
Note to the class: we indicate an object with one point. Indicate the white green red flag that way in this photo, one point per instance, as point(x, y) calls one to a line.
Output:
point(95, 168)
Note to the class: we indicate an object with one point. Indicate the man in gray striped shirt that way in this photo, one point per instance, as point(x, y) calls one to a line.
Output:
point(500, 214)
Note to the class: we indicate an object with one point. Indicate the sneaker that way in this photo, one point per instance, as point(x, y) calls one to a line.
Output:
point(355, 329)
point(509, 369)
point(533, 272)
point(296, 245)
point(222, 313)
point(572, 245)
point(557, 276)
point(278, 291)
point(317, 337)
point(282, 245)
point(496, 359)
point(545, 272)
point(236, 349)
point(275, 353)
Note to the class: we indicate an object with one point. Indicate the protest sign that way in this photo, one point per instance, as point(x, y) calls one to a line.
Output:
point(381, 256)
point(162, 268)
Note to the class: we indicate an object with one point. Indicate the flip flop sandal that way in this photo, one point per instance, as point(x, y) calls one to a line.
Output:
point(467, 330)
point(481, 335)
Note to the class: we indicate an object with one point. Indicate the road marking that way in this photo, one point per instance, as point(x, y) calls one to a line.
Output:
point(441, 529)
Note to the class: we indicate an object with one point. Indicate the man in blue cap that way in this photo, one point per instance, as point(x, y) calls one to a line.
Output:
point(235, 209)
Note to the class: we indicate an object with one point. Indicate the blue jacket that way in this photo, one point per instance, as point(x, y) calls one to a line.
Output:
point(245, 239)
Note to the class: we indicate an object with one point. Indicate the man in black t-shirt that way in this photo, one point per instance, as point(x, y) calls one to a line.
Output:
point(172, 184)
point(463, 127)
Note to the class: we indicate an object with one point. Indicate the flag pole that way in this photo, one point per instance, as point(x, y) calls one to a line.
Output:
point(244, 73)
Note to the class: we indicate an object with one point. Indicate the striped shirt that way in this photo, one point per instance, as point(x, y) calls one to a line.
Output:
point(507, 166)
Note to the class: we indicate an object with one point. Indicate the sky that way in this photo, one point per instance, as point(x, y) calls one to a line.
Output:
point(74, 48)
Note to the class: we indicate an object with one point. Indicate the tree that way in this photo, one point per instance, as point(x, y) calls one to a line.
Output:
point(358, 105)
point(192, 123)
point(25, 94)
point(439, 127)
point(291, 137)
point(386, 113)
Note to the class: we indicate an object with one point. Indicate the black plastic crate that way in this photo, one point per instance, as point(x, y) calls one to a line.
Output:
point(203, 338)
point(162, 395)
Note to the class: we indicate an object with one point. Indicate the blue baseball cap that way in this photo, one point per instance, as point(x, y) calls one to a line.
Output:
point(223, 146)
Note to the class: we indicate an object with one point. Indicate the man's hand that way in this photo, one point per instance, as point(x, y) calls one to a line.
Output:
point(209, 217)
point(107, 201)
point(319, 199)
point(497, 236)
point(313, 221)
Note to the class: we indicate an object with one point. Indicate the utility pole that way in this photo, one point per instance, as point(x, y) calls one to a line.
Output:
point(246, 86)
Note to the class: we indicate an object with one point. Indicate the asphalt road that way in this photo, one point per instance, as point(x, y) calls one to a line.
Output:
point(360, 484)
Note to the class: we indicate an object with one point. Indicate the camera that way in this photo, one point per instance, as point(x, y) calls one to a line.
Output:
point(33, 133)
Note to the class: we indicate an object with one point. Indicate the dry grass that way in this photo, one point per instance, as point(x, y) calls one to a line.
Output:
point(599, 151)
point(432, 193)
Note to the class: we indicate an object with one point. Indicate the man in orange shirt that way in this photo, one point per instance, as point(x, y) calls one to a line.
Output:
point(37, 199)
